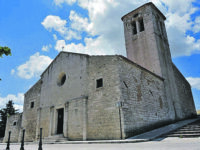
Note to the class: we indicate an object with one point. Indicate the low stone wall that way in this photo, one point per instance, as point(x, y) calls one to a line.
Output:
point(14, 125)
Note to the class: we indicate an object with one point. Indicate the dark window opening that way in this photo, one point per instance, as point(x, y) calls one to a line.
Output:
point(32, 104)
point(141, 24)
point(135, 15)
point(15, 123)
point(134, 28)
point(61, 79)
point(99, 83)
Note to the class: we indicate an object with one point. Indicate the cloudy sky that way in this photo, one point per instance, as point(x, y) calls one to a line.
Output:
point(37, 30)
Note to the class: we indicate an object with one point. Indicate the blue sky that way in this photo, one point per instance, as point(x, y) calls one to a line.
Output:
point(37, 30)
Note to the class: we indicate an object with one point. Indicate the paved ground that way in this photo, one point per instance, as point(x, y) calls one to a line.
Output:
point(159, 144)
point(138, 142)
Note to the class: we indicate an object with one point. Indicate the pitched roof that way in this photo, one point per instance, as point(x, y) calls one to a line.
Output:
point(58, 56)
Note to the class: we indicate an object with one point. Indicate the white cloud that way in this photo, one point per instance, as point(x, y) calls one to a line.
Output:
point(180, 44)
point(194, 82)
point(59, 2)
point(178, 6)
point(60, 45)
point(178, 23)
point(55, 37)
point(12, 71)
point(18, 107)
point(96, 46)
point(79, 23)
point(181, 23)
point(46, 47)
point(196, 27)
point(17, 99)
point(56, 23)
point(34, 66)
point(104, 21)
point(59, 25)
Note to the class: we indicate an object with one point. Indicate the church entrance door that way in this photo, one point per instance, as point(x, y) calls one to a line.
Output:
point(60, 121)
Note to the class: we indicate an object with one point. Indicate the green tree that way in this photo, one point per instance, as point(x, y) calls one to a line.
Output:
point(5, 50)
point(4, 113)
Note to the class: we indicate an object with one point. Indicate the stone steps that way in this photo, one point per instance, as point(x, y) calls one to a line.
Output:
point(53, 139)
point(183, 135)
point(188, 131)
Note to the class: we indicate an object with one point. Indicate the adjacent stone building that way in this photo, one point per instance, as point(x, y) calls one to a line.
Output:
point(86, 97)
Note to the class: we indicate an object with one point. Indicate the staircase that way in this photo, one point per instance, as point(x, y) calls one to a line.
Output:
point(54, 139)
point(188, 131)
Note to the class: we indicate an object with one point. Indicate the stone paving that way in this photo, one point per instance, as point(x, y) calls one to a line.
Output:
point(158, 144)
point(135, 143)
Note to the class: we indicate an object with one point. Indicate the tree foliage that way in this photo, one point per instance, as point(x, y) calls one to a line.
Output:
point(4, 113)
point(5, 50)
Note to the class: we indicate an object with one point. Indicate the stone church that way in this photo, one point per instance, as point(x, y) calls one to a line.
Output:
point(82, 97)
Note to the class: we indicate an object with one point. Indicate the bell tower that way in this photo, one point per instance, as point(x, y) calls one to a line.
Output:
point(147, 45)
point(146, 39)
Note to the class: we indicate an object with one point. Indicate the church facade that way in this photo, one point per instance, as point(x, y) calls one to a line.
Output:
point(84, 97)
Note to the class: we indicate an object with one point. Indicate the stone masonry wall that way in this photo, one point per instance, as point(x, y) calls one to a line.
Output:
point(44, 122)
point(29, 121)
point(103, 114)
point(89, 112)
point(66, 96)
point(144, 104)
point(75, 123)
point(184, 105)
point(13, 124)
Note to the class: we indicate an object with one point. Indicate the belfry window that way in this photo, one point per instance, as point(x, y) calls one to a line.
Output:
point(99, 83)
point(141, 24)
point(134, 27)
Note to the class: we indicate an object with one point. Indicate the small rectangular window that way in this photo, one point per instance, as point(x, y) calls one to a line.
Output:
point(99, 83)
point(32, 104)
point(134, 28)
point(141, 24)
point(135, 16)
point(15, 123)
